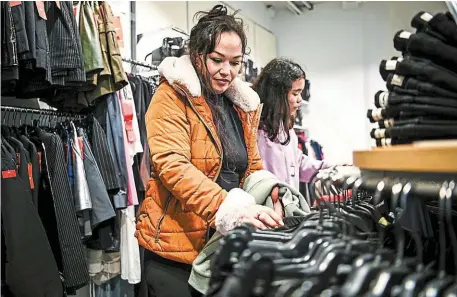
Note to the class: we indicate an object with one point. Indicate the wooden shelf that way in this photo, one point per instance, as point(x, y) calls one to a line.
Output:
point(427, 156)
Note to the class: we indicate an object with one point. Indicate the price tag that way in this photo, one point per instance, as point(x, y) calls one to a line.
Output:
point(15, 3)
point(40, 8)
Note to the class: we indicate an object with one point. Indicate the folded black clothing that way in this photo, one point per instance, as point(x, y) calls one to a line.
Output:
point(383, 99)
point(415, 131)
point(384, 142)
point(387, 123)
point(412, 86)
point(425, 46)
point(441, 24)
point(387, 67)
point(421, 69)
point(411, 110)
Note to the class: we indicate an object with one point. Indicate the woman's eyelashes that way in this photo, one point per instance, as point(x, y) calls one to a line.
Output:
point(218, 61)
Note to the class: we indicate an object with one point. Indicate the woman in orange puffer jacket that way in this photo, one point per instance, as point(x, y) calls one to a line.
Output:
point(202, 128)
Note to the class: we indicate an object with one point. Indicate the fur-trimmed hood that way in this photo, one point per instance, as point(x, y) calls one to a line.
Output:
point(180, 71)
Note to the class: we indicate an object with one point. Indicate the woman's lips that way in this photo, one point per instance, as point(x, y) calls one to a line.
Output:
point(222, 82)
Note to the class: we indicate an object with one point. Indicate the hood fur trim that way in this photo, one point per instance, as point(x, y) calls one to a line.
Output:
point(180, 71)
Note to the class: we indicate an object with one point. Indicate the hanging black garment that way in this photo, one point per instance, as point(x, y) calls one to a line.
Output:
point(18, 14)
point(35, 167)
point(171, 47)
point(35, 70)
point(30, 269)
point(137, 91)
point(103, 157)
point(22, 157)
point(58, 213)
point(10, 64)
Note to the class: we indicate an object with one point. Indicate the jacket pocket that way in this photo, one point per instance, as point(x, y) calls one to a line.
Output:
point(161, 218)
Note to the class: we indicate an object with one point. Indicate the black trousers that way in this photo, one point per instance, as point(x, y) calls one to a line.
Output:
point(385, 99)
point(166, 278)
point(423, 69)
point(414, 87)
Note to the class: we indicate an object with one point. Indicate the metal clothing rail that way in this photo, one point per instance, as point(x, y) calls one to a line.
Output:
point(42, 112)
point(134, 62)
point(425, 190)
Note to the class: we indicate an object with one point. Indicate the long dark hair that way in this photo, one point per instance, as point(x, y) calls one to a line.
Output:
point(273, 85)
point(203, 39)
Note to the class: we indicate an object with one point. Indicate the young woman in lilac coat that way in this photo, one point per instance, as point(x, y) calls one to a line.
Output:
point(280, 85)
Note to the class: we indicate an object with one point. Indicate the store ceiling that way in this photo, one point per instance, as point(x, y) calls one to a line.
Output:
point(282, 5)
point(299, 7)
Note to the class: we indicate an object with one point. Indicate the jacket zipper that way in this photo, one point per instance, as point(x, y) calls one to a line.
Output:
point(162, 217)
point(206, 238)
point(254, 129)
point(207, 127)
point(207, 229)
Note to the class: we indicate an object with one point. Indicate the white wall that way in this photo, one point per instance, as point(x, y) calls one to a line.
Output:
point(152, 16)
point(341, 50)
point(253, 10)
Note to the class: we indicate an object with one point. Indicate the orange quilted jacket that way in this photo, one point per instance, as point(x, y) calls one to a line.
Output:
point(181, 196)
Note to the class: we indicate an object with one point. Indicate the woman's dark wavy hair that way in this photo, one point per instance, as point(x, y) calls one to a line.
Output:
point(203, 39)
point(273, 85)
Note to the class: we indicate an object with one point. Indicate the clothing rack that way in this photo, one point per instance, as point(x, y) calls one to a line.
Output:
point(52, 112)
point(134, 62)
point(179, 31)
point(426, 190)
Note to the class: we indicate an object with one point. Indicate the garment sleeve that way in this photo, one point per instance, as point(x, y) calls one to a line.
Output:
point(309, 167)
point(168, 131)
point(256, 163)
point(265, 153)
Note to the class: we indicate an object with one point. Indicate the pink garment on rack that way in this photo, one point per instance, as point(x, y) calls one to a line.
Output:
point(132, 195)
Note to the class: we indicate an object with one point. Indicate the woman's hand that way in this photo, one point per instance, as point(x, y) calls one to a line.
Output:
point(262, 217)
point(240, 207)
point(277, 205)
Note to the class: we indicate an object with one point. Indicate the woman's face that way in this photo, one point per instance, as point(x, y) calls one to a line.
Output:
point(224, 63)
point(294, 95)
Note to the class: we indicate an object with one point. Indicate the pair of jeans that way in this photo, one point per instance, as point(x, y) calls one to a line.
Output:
point(421, 69)
point(383, 99)
point(423, 45)
point(383, 142)
point(387, 123)
point(441, 23)
point(416, 132)
point(412, 86)
point(412, 110)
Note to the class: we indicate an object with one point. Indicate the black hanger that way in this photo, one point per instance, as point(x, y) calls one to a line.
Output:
point(366, 267)
point(393, 275)
point(252, 278)
point(439, 284)
point(414, 283)
point(452, 290)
